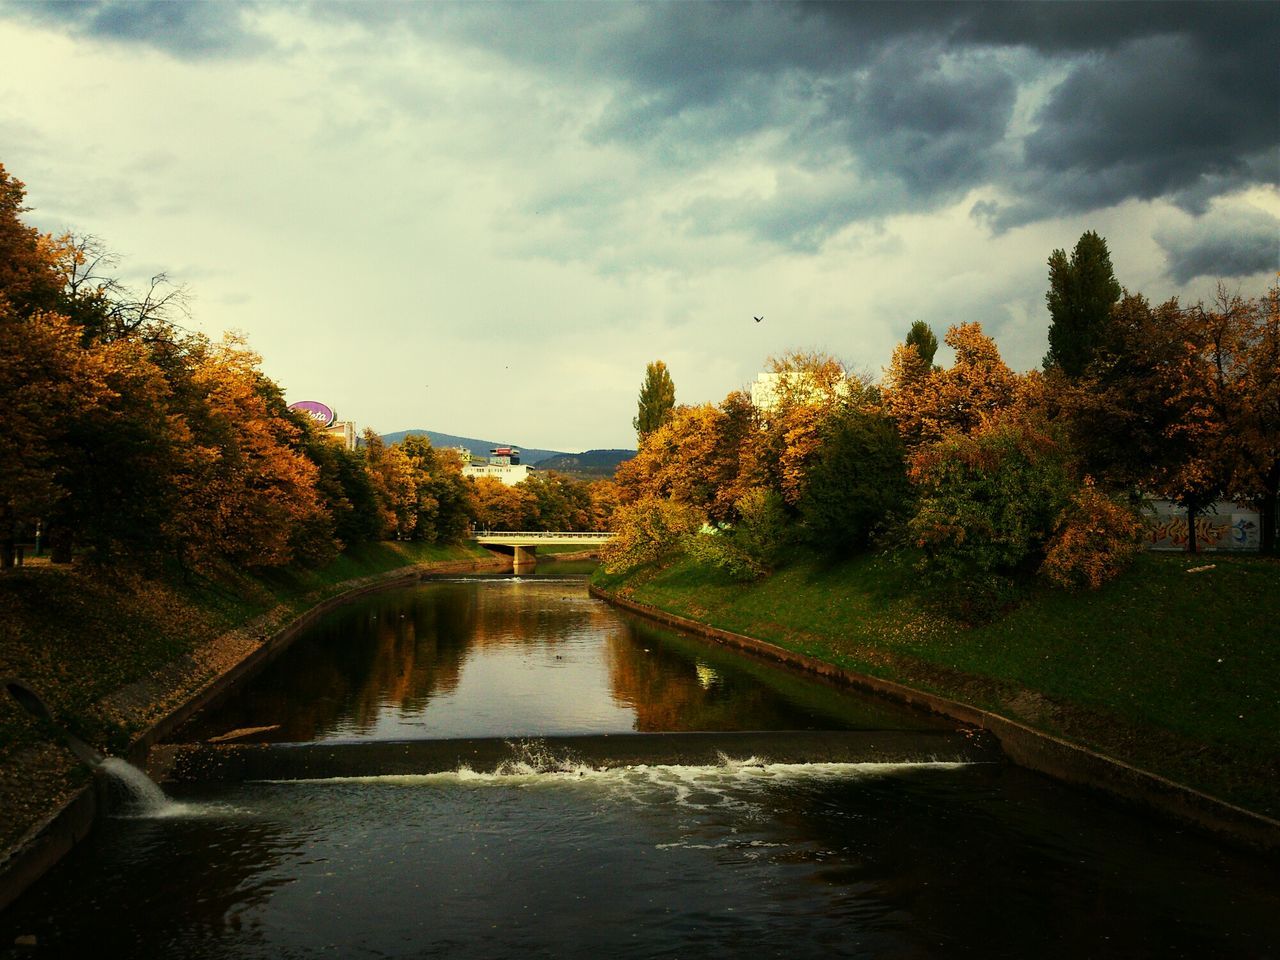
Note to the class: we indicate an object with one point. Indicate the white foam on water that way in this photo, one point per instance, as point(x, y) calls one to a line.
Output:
point(733, 784)
point(145, 799)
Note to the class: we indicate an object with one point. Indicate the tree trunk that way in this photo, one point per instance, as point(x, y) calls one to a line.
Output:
point(1192, 509)
point(8, 537)
point(1267, 511)
point(60, 544)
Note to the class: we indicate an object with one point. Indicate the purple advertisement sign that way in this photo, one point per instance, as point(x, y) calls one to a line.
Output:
point(317, 411)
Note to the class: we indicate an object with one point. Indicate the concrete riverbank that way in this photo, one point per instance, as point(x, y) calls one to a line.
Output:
point(54, 818)
point(1022, 744)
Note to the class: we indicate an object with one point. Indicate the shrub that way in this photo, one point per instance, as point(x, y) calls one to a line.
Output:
point(1095, 540)
point(857, 480)
point(988, 505)
point(750, 548)
point(648, 531)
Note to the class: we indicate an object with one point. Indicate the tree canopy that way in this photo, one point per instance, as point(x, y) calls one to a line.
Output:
point(657, 399)
point(1082, 291)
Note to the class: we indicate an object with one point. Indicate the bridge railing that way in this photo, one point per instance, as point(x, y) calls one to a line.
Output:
point(546, 534)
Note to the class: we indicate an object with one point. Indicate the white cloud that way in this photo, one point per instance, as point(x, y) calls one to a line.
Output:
point(423, 232)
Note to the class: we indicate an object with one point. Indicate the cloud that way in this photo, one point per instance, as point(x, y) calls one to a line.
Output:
point(1224, 243)
point(913, 104)
point(184, 30)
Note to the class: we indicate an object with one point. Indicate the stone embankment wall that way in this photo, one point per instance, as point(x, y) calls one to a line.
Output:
point(1023, 745)
point(161, 703)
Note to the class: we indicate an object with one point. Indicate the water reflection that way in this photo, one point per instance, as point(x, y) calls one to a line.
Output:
point(504, 656)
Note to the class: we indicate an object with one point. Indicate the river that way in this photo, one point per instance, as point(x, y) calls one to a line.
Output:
point(551, 856)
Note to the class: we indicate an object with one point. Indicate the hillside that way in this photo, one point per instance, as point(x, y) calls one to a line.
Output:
point(596, 463)
point(480, 448)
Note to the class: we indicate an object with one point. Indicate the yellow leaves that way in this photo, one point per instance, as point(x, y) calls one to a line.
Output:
point(1095, 540)
point(976, 391)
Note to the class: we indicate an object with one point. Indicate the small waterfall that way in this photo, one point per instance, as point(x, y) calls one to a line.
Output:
point(143, 798)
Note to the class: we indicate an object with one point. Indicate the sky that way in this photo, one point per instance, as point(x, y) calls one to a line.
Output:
point(486, 219)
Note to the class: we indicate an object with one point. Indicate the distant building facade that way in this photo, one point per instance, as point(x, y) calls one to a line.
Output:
point(344, 431)
point(771, 386)
point(504, 464)
point(322, 415)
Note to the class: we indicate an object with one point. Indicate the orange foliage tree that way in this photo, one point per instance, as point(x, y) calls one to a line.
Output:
point(930, 402)
point(249, 491)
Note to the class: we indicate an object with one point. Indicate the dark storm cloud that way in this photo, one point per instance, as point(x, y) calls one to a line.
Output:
point(1224, 244)
point(912, 104)
point(1157, 100)
point(185, 30)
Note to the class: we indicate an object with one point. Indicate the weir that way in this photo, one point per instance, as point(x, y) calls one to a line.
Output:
point(207, 762)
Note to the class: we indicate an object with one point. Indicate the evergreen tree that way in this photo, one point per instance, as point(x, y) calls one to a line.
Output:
point(921, 337)
point(1081, 293)
point(657, 399)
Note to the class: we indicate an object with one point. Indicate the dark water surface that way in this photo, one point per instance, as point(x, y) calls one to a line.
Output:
point(740, 859)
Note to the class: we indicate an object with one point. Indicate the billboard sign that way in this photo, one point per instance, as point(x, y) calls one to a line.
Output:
point(317, 411)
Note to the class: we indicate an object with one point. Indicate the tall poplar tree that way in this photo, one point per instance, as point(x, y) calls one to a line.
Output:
point(657, 399)
point(1082, 291)
point(922, 338)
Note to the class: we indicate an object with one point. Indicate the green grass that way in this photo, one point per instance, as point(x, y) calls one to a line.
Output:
point(1176, 672)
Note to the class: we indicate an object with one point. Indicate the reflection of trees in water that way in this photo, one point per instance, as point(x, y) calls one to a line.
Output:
point(535, 613)
point(671, 692)
point(398, 651)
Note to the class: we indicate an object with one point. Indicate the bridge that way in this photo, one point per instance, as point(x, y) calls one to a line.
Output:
point(524, 544)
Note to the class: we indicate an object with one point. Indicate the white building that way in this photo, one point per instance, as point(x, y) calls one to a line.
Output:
point(767, 392)
point(508, 473)
point(344, 431)
point(504, 464)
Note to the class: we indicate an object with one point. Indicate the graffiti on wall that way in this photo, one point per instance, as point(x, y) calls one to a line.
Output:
point(1230, 528)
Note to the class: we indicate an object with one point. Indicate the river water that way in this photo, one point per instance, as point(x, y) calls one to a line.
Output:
point(746, 856)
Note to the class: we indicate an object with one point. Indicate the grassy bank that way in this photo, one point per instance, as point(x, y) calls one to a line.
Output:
point(79, 638)
point(1172, 671)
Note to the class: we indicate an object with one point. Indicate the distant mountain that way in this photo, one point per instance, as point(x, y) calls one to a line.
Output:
point(591, 463)
point(597, 463)
point(479, 448)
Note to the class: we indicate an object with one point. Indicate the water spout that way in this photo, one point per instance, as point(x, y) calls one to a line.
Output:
point(30, 701)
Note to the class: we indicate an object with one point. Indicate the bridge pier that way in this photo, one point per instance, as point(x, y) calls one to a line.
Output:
point(525, 560)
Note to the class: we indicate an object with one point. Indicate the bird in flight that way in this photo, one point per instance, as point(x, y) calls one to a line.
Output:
point(758, 319)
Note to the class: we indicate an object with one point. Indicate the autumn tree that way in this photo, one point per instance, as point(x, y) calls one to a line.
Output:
point(47, 383)
point(1225, 391)
point(856, 482)
point(103, 305)
point(987, 506)
point(649, 531)
point(395, 489)
point(676, 460)
point(343, 484)
point(28, 278)
point(502, 507)
point(443, 505)
point(803, 390)
point(975, 391)
point(249, 490)
point(124, 463)
point(750, 547)
point(1256, 400)
point(657, 399)
point(1082, 291)
point(603, 495)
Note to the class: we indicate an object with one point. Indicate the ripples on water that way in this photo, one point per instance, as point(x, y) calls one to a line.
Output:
point(547, 857)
